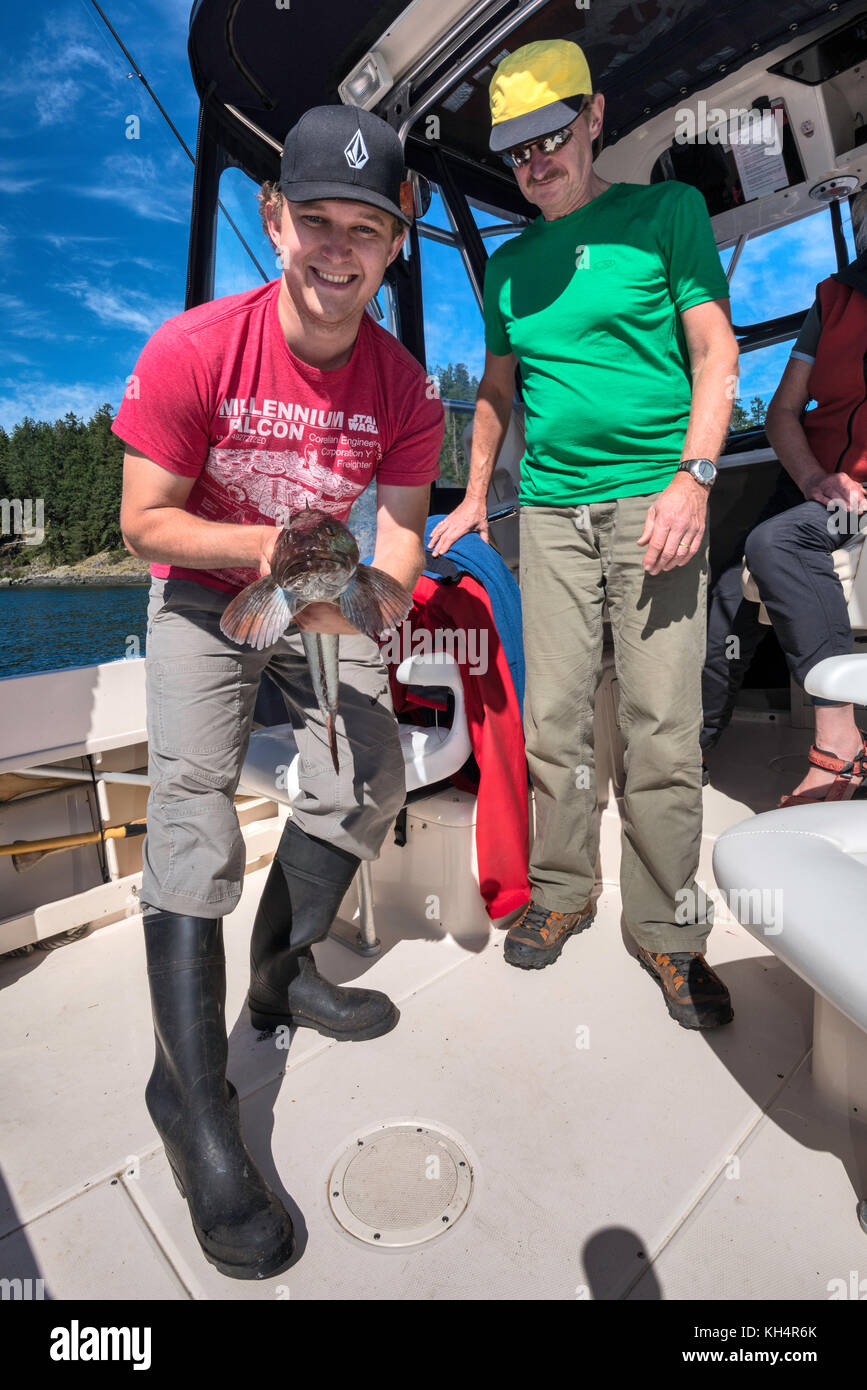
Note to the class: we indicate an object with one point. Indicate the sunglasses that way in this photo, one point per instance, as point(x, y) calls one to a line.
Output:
point(519, 155)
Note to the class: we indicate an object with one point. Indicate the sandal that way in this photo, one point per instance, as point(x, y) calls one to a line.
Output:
point(848, 783)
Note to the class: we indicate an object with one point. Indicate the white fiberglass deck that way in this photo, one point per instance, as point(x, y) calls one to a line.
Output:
point(650, 1163)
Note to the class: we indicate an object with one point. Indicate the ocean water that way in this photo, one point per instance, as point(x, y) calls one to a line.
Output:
point(50, 629)
point(78, 625)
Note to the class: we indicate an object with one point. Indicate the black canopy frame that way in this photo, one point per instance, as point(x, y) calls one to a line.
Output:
point(257, 67)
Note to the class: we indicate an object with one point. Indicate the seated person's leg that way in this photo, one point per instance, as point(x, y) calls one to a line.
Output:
point(733, 635)
point(790, 558)
point(731, 616)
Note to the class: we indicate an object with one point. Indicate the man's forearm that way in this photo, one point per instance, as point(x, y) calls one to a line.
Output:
point(490, 423)
point(789, 442)
point(172, 536)
point(403, 560)
point(711, 408)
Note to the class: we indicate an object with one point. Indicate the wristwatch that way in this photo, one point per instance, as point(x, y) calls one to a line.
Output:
point(702, 470)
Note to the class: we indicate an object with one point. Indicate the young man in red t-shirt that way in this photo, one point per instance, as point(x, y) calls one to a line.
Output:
point(241, 411)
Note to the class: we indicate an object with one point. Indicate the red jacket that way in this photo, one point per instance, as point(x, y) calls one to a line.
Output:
point(837, 427)
point(496, 735)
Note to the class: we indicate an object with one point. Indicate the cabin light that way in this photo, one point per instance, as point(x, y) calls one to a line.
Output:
point(369, 80)
point(833, 187)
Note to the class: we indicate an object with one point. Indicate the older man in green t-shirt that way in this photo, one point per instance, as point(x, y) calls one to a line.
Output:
point(616, 307)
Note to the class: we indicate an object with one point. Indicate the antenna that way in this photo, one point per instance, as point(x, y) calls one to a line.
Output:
point(173, 128)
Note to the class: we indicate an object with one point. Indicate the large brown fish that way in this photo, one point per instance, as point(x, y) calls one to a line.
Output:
point(316, 560)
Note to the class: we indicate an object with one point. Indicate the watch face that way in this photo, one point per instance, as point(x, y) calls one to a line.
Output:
point(705, 470)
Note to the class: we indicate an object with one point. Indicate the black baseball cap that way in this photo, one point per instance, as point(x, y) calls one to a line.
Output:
point(343, 152)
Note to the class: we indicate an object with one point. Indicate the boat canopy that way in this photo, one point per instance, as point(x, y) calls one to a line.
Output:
point(269, 64)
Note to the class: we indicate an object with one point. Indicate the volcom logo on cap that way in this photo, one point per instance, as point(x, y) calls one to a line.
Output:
point(356, 152)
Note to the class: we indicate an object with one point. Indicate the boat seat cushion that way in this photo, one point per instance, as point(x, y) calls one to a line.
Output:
point(796, 879)
point(430, 754)
point(845, 559)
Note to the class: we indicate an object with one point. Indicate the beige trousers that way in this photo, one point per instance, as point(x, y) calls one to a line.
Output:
point(572, 560)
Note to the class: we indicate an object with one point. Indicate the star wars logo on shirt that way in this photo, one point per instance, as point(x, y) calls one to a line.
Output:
point(277, 456)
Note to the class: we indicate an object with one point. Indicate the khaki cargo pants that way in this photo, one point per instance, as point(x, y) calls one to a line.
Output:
point(201, 692)
point(572, 560)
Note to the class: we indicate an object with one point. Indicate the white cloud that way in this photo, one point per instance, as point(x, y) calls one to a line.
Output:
point(62, 241)
point(62, 71)
point(47, 400)
point(158, 190)
point(24, 320)
point(132, 309)
point(13, 186)
point(79, 248)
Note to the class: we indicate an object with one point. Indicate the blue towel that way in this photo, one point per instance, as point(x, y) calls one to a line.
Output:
point(488, 567)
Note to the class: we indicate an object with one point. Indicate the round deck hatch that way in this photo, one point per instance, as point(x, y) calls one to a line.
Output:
point(400, 1184)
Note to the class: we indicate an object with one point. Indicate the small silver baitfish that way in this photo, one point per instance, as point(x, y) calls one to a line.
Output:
point(316, 560)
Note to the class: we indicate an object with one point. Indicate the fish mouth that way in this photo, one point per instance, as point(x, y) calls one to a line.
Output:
point(312, 564)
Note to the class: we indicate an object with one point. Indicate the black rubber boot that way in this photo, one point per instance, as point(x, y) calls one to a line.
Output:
point(304, 889)
point(241, 1225)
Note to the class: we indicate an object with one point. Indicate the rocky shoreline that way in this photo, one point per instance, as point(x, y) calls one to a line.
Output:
point(98, 570)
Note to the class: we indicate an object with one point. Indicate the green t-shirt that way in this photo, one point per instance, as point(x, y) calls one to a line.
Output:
point(589, 305)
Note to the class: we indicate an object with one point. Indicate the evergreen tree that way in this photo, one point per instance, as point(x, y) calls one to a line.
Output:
point(76, 470)
point(455, 384)
point(751, 419)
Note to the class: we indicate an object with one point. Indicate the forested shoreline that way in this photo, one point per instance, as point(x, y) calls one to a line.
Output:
point(60, 490)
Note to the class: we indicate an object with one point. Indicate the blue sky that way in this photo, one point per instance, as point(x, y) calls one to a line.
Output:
point(93, 225)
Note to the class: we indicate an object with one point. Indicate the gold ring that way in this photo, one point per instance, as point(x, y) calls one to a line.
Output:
point(683, 547)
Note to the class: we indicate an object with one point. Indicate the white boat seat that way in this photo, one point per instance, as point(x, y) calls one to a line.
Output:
point(796, 879)
point(430, 755)
point(846, 565)
point(815, 858)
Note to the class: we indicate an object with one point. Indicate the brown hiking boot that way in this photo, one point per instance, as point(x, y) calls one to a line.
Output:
point(538, 936)
point(694, 995)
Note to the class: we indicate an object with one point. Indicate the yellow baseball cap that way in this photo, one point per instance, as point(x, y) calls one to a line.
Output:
point(537, 89)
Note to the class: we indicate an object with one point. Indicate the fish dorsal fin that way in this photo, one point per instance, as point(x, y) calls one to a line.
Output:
point(374, 601)
point(259, 615)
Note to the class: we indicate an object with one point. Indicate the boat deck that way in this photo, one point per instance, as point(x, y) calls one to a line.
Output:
point(614, 1154)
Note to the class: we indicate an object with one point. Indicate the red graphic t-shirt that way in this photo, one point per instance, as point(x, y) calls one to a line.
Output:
point(218, 396)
